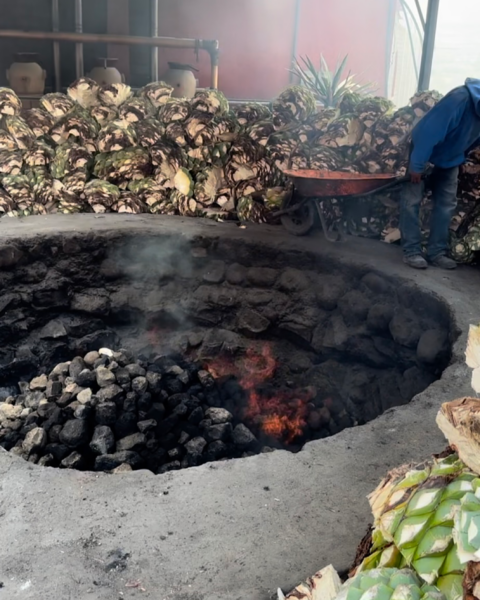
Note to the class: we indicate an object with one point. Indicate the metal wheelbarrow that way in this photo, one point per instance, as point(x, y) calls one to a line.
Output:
point(312, 187)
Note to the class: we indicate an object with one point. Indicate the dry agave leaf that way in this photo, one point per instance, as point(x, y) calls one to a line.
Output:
point(324, 585)
point(459, 422)
point(476, 381)
point(473, 347)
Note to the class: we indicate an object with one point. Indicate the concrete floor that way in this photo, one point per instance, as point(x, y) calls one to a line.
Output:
point(226, 531)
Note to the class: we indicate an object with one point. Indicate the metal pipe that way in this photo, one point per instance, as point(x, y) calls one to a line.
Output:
point(56, 46)
point(420, 13)
point(389, 44)
point(211, 46)
point(428, 45)
point(214, 60)
point(296, 28)
point(79, 46)
point(102, 38)
point(410, 37)
point(154, 28)
point(406, 8)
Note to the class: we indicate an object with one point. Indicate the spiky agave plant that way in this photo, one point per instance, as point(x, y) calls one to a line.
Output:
point(329, 87)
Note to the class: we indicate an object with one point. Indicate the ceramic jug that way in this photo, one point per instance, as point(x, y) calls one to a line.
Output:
point(105, 73)
point(182, 79)
point(25, 76)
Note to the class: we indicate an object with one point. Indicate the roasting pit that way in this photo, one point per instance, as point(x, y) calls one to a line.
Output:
point(166, 351)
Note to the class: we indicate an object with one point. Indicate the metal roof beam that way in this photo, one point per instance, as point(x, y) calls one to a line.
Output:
point(420, 13)
point(428, 45)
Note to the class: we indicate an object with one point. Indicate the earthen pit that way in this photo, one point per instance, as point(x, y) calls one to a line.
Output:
point(359, 342)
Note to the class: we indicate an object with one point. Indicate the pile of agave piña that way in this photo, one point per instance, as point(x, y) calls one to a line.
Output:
point(425, 540)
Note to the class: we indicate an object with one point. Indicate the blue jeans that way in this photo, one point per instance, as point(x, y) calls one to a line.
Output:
point(444, 183)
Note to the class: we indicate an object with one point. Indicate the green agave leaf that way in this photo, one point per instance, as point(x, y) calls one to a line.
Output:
point(410, 531)
point(424, 501)
point(452, 563)
point(436, 541)
point(451, 586)
point(338, 73)
point(354, 594)
point(328, 86)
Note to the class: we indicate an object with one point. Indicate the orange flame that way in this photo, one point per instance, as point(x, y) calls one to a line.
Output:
point(282, 415)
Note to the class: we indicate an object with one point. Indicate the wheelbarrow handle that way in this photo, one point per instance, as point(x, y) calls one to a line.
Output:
point(383, 188)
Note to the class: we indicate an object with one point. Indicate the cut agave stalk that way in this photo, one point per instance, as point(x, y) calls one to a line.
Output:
point(414, 509)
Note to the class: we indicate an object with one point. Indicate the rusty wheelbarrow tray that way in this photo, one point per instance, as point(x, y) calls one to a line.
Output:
point(311, 187)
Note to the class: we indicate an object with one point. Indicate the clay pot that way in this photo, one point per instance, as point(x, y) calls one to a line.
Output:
point(25, 76)
point(105, 73)
point(182, 79)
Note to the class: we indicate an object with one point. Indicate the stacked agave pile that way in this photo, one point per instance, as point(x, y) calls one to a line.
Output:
point(425, 540)
point(105, 149)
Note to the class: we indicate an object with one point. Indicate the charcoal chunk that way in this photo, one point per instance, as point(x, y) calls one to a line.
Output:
point(104, 377)
point(73, 461)
point(154, 381)
point(58, 451)
point(34, 440)
point(218, 415)
point(216, 450)
point(243, 437)
point(139, 385)
point(74, 433)
point(147, 425)
point(103, 440)
point(106, 413)
point(123, 376)
point(135, 442)
point(108, 462)
point(76, 367)
point(196, 446)
point(221, 432)
point(109, 393)
point(135, 370)
point(54, 389)
point(125, 425)
point(86, 378)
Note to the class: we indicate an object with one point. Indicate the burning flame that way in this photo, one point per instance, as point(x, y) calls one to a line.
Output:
point(281, 415)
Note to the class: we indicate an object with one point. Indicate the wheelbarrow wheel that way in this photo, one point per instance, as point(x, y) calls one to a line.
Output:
point(302, 220)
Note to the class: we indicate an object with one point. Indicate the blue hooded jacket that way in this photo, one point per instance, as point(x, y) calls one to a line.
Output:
point(449, 130)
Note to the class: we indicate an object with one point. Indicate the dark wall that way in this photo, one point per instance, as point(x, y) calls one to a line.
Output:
point(140, 56)
point(36, 15)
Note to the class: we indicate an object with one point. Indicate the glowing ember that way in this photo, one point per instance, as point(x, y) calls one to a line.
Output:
point(281, 415)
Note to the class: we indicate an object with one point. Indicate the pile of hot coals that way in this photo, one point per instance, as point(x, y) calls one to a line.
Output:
point(111, 411)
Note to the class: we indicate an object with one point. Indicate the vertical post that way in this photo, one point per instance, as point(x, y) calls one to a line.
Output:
point(154, 32)
point(296, 28)
point(79, 47)
point(119, 23)
point(428, 45)
point(56, 46)
point(214, 59)
point(392, 8)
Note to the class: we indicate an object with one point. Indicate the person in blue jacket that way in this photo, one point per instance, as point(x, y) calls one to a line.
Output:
point(444, 137)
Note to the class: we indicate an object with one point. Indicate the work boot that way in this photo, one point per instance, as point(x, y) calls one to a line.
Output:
point(416, 261)
point(443, 262)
